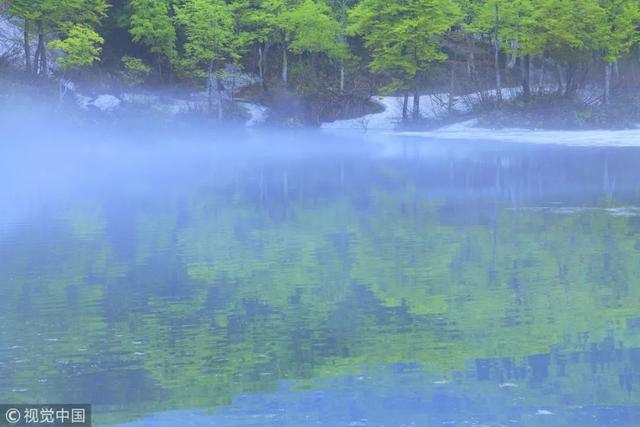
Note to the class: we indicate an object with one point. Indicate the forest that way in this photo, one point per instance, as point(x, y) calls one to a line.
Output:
point(331, 56)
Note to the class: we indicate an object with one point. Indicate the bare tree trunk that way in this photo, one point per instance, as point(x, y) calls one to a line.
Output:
point(159, 65)
point(570, 81)
point(312, 64)
point(542, 71)
point(607, 83)
point(405, 107)
point(511, 57)
point(497, 58)
point(220, 105)
point(526, 70)
point(470, 65)
point(471, 61)
point(42, 47)
point(210, 87)
point(285, 65)
point(260, 59)
point(452, 76)
point(27, 47)
point(263, 65)
point(416, 99)
point(561, 81)
point(343, 23)
point(36, 58)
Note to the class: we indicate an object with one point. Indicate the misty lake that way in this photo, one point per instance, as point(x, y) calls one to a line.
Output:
point(310, 279)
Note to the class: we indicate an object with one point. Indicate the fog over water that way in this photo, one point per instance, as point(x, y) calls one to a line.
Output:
point(184, 275)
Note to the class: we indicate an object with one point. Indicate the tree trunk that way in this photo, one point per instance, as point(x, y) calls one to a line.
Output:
point(607, 83)
point(27, 47)
point(210, 87)
point(312, 65)
point(471, 62)
point(159, 64)
point(405, 107)
point(570, 81)
point(561, 81)
point(220, 105)
point(470, 65)
point(452, 77)
point(36, 58)
point(264, 70)
point(416, 99)
point(526, 75)
point(260, 59)
point(542, 71)
point(42, 47)
point(265, 63)
point(285, 66)
point(343, 24)
point(497, 58)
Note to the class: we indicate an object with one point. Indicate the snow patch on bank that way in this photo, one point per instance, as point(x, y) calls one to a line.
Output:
point(583, 138)
point(106, 103)
point(431, 106)
point(620, 211)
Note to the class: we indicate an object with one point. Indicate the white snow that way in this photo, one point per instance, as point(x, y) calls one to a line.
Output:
point(433, 105)
point(387, 119)
point(621, 211)
point(258, 113)
point(468, 131)
point(430, 106)
point(508, 385)
point(106, 103)
point(140, 98)
point(167, 104)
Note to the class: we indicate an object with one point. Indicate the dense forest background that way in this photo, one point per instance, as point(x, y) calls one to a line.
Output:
point(329, 56)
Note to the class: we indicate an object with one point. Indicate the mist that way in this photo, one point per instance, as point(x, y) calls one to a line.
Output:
point(319, 213)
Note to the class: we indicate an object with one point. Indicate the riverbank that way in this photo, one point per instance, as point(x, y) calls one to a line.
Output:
point(546, 111)
point(554, 112)
point(244, 104)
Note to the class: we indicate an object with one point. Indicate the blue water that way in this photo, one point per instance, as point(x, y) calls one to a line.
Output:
point(294, 279)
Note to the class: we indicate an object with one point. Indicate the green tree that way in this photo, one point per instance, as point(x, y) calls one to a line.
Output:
point(619, 34)
point(257, 21)
point(152, 26)
point(55, 19)
point(311, 29)
point(342, 8)
point(135, 70)
point(569, 32)
point(81, 46)
point(209, 27)
point(509, 26)
point(404, 38)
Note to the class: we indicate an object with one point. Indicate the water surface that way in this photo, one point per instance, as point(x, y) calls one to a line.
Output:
point(309, 279)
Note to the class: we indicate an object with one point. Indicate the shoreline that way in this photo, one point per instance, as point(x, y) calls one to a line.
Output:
point(541, 113)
